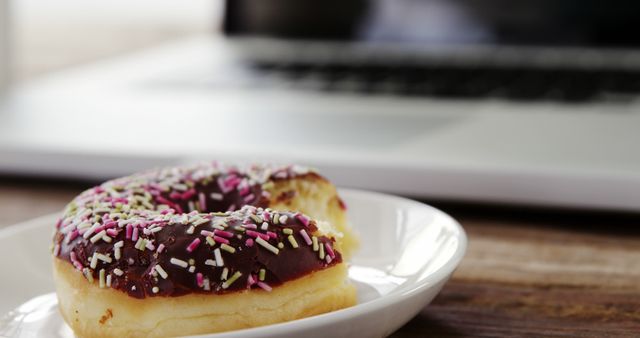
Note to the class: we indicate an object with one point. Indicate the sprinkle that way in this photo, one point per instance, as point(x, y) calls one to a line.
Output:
point(315, 243)
point(280, 245)
point(264, 226)
point(250, 280)
point(89, 232)
point(112, 232)
point(227, 248)
point(304, 219)
point(306, 237)
point(56, 250)
point(75, 261)
point(276, 218)
point(249, 242)
point(118, 244)
point(108, 281)
point(210, 262)
point(140, 244)
point(262, 274)
point(223, 233)
point(232, 207)
point(129, 231)
point(103, 257)
point(224, 274)
point(155, 289)
point(233, 278)
point(216, 196)
point(199, 279)
point(264, 286)
point(134, 237)
point(206, 233)
point(210, 241)
point(287, 231)
point(94, 261)
point(330, 250)
point(193, 245)
point(249, 198)
point(178, 262)
point(283, 219)
point(119, 272)
point(191, 230)
point(257, 219)
point(207, 284)
point(102, 281)
point(221, 240)
point(192, 268)
point(218, 257)
point(161, 271)
point(257, 234)
point(88, 274)
point(267, 246)
point(200, 222)
point(272, 234)
point(293, 242)
point(160, 248)
point(203, 201)
point(328, 259)
point(321, 254)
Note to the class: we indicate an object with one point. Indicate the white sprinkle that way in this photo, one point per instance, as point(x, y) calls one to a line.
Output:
point(161, 271)
point(216, 196)
point(103, 257)
point(98, 236)
point(155, 289)
point(191, 230)
point(266, 245)
point(283, 219)
point(210, 262)
point(264, 226)
point(116, 253)
point(118, 272)
point(156, 229)
point(218, 256)
point(118, 244)
point(178, 262)
point(94, 261)
point(192, 269)
point(207, 284)
point(225, 272)
point(108, 281)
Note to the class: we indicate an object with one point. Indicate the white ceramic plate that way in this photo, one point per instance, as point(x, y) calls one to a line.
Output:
point(408, 252)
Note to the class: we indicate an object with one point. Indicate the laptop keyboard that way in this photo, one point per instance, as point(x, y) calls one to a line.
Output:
point(523, 84)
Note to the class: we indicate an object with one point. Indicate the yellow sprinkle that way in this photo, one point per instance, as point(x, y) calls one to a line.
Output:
point(267, 246)
point(233, 278)
point(321, 252)
point(262, 274)
point(287, 231)
point(102, 281)
point(293, 242)
point(210, 241)
point(88, 274)
point(224, 274)
point(280, 245)
point(314, 239)
point(227, 248)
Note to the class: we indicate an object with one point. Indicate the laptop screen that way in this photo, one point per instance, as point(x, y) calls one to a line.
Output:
point(574, 23)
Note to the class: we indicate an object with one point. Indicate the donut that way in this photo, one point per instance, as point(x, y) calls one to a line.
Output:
point(201, 249)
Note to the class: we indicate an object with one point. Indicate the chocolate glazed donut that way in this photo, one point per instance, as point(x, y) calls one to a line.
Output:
point(202, 231)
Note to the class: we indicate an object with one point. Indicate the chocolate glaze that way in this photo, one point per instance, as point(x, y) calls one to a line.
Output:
point(181, 190)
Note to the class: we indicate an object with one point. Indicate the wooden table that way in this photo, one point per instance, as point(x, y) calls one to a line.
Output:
point(527, 272)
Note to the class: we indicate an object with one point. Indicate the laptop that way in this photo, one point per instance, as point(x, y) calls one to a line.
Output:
point(534, 102)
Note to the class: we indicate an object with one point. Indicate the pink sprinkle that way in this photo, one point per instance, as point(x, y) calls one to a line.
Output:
point(188, 194)
point(150, 246)
point(194, 245)
point(272, 234)
point(244, 190)
point(306, 237)
point(249, 198)
point(330, 250)
point(250, 280)
point(110, 224)
point(220, 239)
point(134, 237)
point(75, 261)
point(249, 242)
point(178, 208)
point(175, 195)
point(266, 215)
point(82, 231)
point(223, 186)
point(203, 201)
point(160, 248)
point(112, 232)
point(98, 229)
point(166, 211)
point(163, 200)
point(199, 279)
point(73, 235)
point(59, 223)
point(251, 226)
point(223, 233)
point(264, 286)
point(98, 190)
point(56, 250)
point(206, 233)
point(232, 181)
point(257, 234)
point(129, 231)
point(304, 219)
point(328, 259)
point(232, 207)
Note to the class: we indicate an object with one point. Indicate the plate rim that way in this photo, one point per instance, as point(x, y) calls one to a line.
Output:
point(350, 313)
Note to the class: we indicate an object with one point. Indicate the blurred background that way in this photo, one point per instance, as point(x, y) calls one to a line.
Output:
point(528, 102)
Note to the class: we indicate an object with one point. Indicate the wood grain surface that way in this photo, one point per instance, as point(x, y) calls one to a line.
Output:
point(527, 272)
